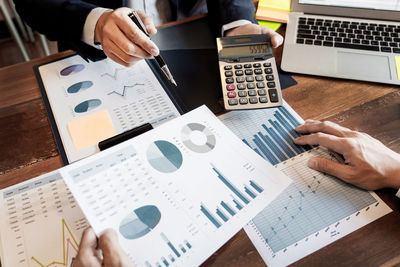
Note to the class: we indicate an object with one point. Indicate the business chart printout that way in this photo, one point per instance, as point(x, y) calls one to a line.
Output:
point(41, 224)
point(126, 97)
point(177, 193)
point(312, 212)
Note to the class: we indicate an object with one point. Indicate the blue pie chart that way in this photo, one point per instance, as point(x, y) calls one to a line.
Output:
point(87, 105)
point(80, 86)
point(140, 222)
point(164, 156)
point(72, 69)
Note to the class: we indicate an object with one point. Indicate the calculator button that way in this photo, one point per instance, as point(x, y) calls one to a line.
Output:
point(228, 67)
point(261, 92)
point(263, 99)
point(239, 73)
point(230, 87)
point(241, 86)
point(240, 79)
point(251, 86)
point(273, 95)
point(231, 94)
point(247, 66)
point(256, 65)
point(253, 100)
point(233, 101)
point(259, 78)
point(249, 79)
point(229, 80)
point(269, 77)
point(237, 67)
point(242, 93)
point(257, 71)
point(260, 85)
point(268, 71)
point(271, 84)
point(228, 73)
point(248, 72)
point(243, 101)
point(252, 93)
point(267, 65)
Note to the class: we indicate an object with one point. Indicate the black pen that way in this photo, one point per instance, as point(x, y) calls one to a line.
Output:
point(160, 61)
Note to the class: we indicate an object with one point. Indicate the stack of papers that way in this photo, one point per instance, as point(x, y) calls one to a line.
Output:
point(273, 10)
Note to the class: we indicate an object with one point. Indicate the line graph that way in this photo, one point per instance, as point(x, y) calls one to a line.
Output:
point(112, 76)
point(67, 246)
point(124, 90)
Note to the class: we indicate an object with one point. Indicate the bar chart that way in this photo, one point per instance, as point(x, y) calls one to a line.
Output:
point(238, 199)
point(176, 252)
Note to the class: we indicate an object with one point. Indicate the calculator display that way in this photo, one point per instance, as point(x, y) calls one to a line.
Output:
point(245, 50)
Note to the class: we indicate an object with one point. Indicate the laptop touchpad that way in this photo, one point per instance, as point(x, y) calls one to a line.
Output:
point(363, 67)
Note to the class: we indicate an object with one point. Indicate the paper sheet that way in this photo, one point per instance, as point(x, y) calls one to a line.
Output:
point(132, 96)
point(316, 209)
point(177, 193)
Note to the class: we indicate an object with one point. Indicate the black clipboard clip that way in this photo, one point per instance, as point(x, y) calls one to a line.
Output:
point(115, 140)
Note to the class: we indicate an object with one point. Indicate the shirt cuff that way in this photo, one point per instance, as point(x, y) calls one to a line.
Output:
point(90, 26)
point(234, 24)
point(398, 194)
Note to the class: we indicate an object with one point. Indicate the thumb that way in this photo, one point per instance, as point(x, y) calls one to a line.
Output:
point(328, 166)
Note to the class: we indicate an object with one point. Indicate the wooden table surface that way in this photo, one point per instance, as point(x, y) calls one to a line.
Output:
point(28, 149)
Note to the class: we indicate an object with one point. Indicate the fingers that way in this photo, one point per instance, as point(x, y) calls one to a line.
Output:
point(113, 255)
point(130, 55)
point(311, 126)
point(335, 143)
point(87, 254)
point(276, 38)
point(148, 22)
point(342, 171)
point(89, 241)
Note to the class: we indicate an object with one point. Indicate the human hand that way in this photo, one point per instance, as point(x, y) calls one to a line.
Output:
point(276, 38)
point(122, 40)
point(103, 252)
point(368, 163)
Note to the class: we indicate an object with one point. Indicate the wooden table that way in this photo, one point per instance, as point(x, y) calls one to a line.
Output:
point(28, 149)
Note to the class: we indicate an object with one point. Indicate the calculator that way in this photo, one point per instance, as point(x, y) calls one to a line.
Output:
point(248, 71)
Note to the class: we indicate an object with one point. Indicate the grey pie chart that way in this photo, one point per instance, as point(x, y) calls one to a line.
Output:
point(209, 138)
point(140, 222)
point(164, 156)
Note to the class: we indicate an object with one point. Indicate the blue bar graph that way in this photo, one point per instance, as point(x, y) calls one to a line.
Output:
point(182, 248)
point(171, 246)
point(208, 214)
point(231, 186)
point(238, 205)
point(164, 260)
point(222, 215)
point(249, 192)
point(228, 208)
point(187, 244)
point(256, 186)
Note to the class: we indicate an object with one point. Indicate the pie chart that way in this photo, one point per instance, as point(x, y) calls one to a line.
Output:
point(198, 138)
point(140, 222)
point(164, 156)
point(72, 69)
point(77, 87)
point(87, 105)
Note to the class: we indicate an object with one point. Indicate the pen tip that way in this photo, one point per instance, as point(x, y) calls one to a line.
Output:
point(173, 81)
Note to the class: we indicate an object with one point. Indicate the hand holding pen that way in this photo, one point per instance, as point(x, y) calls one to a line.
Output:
point(122, 40)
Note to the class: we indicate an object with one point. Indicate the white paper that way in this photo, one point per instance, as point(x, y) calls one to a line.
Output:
point(316, 209)
point(132, 96)
point(161, 190)
point(40, 223)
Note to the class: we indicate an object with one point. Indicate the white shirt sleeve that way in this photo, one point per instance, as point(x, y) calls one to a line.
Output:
point(234, 24)
point(90, 25)
point(398, 194)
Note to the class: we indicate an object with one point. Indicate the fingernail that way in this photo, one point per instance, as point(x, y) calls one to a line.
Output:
point(312, 163)
point(299, 127)
point(296, 139)
point(154, 52)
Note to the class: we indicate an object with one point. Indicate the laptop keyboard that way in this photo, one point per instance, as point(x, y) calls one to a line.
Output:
point(346, 34)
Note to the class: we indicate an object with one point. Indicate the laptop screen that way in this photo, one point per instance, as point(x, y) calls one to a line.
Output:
point(392, 5)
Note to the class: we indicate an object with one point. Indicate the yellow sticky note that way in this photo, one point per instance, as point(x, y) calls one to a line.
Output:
point(283, 5)
point(270, 24)
point(397, 61)
point(90, 130)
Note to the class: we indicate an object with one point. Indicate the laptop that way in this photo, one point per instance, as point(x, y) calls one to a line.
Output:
point(357, 39)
